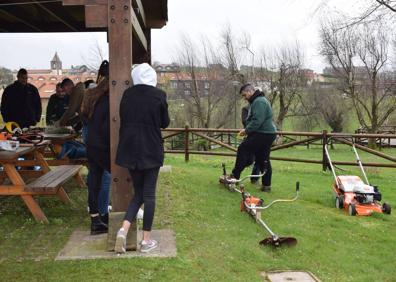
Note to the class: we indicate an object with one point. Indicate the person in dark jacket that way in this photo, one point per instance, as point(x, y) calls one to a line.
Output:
point(260, 131)
point(91, 96)
point(21, 102)
point(57, 105)
point(72, 117)
point(97, 117)
point(143, 112)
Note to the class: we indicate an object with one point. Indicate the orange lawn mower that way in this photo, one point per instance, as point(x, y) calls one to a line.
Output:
point(253, 206)
point(355, 196)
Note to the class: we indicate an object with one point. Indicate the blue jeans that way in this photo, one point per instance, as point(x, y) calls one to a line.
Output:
point(104, 193)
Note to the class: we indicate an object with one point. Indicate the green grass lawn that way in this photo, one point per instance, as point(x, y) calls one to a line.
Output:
point(215, 241)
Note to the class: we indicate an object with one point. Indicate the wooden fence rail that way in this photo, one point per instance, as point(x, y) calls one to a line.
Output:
point(186, 138)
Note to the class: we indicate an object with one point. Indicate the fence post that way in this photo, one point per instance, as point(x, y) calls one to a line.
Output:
point(186, 144)
point(324, 157)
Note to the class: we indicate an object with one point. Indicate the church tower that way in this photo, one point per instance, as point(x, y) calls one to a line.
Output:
point(56, 65)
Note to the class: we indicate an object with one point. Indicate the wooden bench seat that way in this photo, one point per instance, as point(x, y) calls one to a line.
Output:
point(52, 180)
point(66, 161)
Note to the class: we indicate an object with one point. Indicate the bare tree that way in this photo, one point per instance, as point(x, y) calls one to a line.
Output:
point(369, 11)
point(286, 81)
point(366, 45)
point(329, 105)
point(230, 51)
point(6, 77)
point(379, 8)
point(206, 96)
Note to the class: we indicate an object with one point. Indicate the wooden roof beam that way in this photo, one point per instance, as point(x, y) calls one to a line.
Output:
point(72, 28)
point(33, 27)
point(96, 16)
point(138, 31)
point(84, 2)
point(73, 2)
point(141, 13)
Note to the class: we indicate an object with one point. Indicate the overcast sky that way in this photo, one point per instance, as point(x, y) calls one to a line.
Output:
point(269, 22)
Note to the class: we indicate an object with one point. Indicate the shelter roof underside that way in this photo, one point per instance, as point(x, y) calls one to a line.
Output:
point(55, 16)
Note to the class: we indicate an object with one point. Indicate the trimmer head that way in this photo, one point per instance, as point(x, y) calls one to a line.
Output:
point(279, 241)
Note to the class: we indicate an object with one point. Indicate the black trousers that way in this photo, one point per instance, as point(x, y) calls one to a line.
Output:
point(144, 184)
point(259, 146)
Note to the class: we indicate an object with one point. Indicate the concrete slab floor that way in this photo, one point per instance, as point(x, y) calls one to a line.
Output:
point(166, 168)
point(289, 275)
point(82, 245)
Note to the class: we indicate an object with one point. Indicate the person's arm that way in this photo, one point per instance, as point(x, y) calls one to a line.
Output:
point(258, 112)
point(164, 115)
point(4, 105)
point(244, 115)
point(50, 110)
point(75, 101)
point(106, 119)
point(37, 104)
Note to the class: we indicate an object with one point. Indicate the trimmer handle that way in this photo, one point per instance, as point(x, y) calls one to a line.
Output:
point(224, 169)
point(298, 186)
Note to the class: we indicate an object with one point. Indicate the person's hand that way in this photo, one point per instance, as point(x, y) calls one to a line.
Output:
point(242, 132)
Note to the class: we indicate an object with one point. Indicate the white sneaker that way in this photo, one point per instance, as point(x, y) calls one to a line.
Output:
point(120, 244)
point(146, 247)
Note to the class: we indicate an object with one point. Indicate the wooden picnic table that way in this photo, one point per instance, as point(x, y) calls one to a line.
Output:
point(57, 140)
point(46, 181)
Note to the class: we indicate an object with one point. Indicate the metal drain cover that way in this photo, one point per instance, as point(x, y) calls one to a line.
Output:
point(290, 276)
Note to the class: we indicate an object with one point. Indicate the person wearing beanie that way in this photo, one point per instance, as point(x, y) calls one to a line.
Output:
point(143, 112)
point(260, 131)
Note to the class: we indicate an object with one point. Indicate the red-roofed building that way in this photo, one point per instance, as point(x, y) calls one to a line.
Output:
point(46, 79)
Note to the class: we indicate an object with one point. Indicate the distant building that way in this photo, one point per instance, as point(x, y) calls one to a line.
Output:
point(178, 83)
point(46, 79)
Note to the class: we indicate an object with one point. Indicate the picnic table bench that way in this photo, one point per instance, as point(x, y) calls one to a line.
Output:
point(46, 181)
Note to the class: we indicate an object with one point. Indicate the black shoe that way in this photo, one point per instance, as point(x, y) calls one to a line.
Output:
point(97, 226)
point(266, 188)
point(105, 218)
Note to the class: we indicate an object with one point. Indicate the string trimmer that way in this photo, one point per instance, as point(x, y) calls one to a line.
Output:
point(253, 206)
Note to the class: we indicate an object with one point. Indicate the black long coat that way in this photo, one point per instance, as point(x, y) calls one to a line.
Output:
point(143, 112)
point(98, 141)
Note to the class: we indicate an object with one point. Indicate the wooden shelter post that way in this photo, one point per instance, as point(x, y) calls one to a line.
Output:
point(120, 57)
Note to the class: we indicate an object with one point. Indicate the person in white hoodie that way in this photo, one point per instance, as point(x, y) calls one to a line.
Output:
point(143, 112)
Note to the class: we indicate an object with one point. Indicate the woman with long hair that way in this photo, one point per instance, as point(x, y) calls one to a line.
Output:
point(95, 111)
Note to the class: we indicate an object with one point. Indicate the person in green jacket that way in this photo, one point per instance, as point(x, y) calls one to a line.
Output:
point(260, 131)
